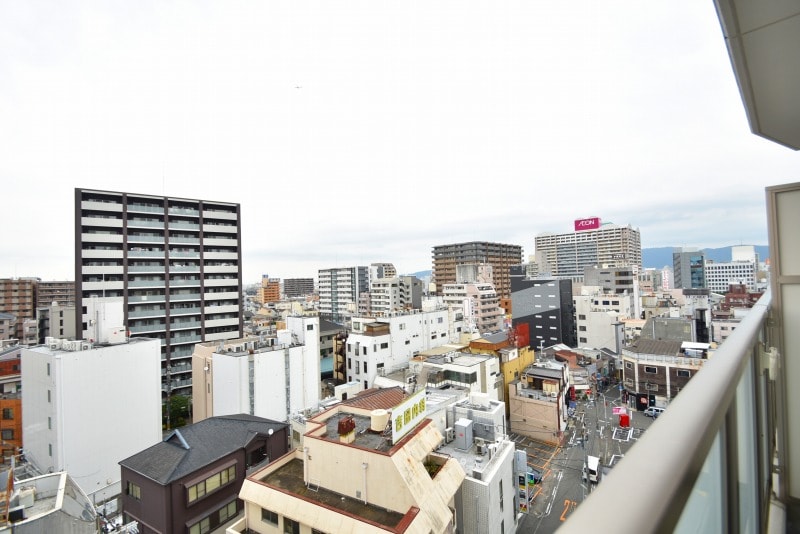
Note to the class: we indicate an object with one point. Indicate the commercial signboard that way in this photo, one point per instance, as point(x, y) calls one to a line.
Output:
point(591, 223)
point(406, 415)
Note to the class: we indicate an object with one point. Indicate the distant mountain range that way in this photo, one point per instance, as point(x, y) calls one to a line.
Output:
point(658, 257)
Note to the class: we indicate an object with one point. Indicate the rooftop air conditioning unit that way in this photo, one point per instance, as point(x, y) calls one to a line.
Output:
point(449, 434)
point(553, 394)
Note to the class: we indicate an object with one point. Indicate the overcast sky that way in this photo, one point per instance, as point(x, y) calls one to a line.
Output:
point(359, 132)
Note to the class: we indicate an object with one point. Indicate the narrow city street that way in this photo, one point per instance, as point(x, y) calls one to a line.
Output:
point(562, 488)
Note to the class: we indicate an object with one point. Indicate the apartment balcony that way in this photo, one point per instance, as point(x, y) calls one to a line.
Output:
point(221, 256)
point(184, 296)
point(102, 222)
point(724, 456)
point(145, 208)
point(101, 238)
point(101, 206)
point(182, 225)
point(220, 228)
point(101, 254)
point(184, 211)
point(134, 253)
point(219, 215)
point(194, 310)
point(144, 223)
point(231, 268)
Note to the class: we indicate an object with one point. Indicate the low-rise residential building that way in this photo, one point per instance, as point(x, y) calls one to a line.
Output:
point(655, 370)
point(189, 481)
point(539, 401)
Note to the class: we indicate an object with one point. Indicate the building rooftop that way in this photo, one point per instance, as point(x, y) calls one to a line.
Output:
point(289, 478)
point(192, 447)
point(377, 398)
point(656, 346)
point(364, 435)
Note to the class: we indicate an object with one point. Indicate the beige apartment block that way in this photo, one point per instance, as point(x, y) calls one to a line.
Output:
point(361, 471)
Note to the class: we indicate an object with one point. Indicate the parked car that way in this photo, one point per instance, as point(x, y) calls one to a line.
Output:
point(653, 411)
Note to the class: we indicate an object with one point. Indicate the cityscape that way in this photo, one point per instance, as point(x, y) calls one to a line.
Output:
point(199, 361)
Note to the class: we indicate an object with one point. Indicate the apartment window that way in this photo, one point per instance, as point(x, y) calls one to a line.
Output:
point(8, 413)
point(582, 328)
point(133, 490)
point(349, 363)
point(402, 326)
point(500, 490)
point(211, 484)
point(365, 385)
point(48, 369)
point(201, 527)
point(582, 340)
point(684, 373)
point(290, 526)
point(48, 395)
point(50, 449)
point(365, 367)
point(384, 345)
point(364, 350)
point(581, 317)
point(7, 433)
point(268, 516)
point(628, 365)
point(651, 370)
point(310, 327)
point(49, 423)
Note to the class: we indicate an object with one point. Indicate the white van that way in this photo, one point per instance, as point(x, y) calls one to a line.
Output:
point(653, 411)
point(591, 469)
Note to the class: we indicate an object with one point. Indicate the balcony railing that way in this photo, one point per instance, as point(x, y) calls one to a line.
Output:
point(706, 464)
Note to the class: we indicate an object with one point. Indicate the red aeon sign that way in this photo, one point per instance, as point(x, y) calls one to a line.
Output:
point(587, 224)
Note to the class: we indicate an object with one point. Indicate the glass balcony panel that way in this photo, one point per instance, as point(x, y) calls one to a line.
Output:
point(746, 433)
point(703, 511)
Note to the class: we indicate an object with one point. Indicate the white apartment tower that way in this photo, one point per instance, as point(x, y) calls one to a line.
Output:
point(390, 295)
point(175, 263)
point(591, 244)
point(480, 303)
point(339, 290)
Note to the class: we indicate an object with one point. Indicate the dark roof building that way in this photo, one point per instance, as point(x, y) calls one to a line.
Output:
point(190, 481)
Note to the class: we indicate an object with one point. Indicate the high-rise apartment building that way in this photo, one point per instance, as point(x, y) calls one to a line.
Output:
point(591, 244)
point(689, 268)
point(270, 290)
point(298, 287)
point(399, 293)
point(500, 256)
point(18, 297)
point(174, 262)
point(61, 292)
point(339, 291)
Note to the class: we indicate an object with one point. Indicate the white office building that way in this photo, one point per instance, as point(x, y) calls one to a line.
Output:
point(592, 243)
point(719, 276)
point(89, 405)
